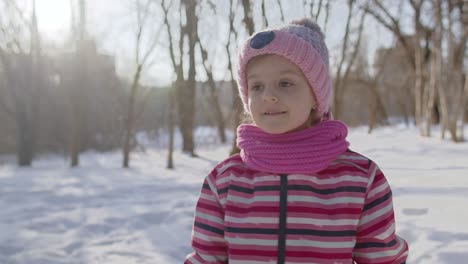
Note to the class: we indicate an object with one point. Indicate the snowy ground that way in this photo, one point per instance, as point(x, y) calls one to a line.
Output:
point(100, 213)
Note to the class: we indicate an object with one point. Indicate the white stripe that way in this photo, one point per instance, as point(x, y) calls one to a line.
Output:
point(213, 258)
point(235, 261)
point(387, 233)
point(292, 220)
point(208, 197)
point(322, 222)
point(206, 238)
point(209, 218)
point(256, 179)
point(372, 176)
point(290, 242)
point(194, 261)
point(252, 241)
point(227, 166)
point(338, 200)
point(319, 244)
point(334, 180)
point(377, 190)
point(212, 187)
point(254, 199)
point(253, 220)
point(224, 179)
point(368, 218)
point(353, 157)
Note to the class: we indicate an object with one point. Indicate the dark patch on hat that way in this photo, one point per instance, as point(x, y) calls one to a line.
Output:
point(261, 39)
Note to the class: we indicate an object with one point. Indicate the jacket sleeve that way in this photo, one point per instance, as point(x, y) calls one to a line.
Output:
point(376, 240)
point(208, 228)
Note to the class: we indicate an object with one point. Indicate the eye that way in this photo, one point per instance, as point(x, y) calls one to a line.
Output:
point(255, 87)
point(285, 84)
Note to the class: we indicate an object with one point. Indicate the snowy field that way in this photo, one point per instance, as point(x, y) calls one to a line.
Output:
point(100, 213)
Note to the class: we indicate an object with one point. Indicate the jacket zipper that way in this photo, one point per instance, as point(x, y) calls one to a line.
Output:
point(282, 220)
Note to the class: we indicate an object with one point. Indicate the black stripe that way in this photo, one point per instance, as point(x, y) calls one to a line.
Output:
point(209, 228)
point(377, 201)
point(282, 220)
point(376, 244)
point(261, 231)
point(270, 231)
point(206, 186)
point(223, 190)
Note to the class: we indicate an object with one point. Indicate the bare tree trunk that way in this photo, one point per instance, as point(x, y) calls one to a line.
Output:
point(237, 103)
point(217, 113)
point(188, 91)
point(434, 79)
point(457, 56)
point(141, 59)
point(178, 68)
point(79, 83)
point(22, 82)
point(464, 103)
point(248, 18)
point(436, 71)
point(372, 108)
point(415, 56)
point(249, 25)
point(338, 94)
point(130, 121)
point(171, 121)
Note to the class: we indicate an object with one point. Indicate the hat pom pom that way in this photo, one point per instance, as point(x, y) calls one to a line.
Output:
point(309, 23)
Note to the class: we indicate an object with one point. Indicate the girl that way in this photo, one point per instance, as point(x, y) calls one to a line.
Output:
point(296, 193)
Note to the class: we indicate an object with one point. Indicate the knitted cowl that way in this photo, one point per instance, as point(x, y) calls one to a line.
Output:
point(306, 151)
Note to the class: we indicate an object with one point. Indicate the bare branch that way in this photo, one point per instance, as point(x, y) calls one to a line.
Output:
point(327, 14)
point(281, 10)
point(318, 11)
point(169, 32)
point(265, 20)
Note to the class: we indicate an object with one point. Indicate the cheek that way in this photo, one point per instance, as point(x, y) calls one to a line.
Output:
point(251, 105)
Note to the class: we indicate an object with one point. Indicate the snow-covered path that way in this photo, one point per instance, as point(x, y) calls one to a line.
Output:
point(100, 213)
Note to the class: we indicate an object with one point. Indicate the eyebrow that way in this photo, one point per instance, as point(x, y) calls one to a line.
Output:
point(289, 72)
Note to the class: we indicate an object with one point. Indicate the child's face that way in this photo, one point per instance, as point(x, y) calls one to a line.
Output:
point(279, 96)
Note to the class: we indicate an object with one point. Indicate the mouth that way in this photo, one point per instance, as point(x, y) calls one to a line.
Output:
point(274, 113)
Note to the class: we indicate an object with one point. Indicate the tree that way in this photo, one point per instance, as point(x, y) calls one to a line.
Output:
point(21, 70)
point(143, 13)
point(217, 114)
point(238, 108)
point(186, 93)
point(78, 86)
point(346, 58)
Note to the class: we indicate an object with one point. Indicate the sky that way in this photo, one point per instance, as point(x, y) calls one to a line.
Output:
point(110, 22)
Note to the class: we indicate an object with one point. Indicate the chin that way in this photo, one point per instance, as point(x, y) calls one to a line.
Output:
point(275, 130)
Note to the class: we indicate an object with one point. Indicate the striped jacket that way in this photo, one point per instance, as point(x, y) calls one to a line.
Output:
point(339, 215)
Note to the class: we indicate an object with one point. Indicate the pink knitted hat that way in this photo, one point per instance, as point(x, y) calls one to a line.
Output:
point(302, 42)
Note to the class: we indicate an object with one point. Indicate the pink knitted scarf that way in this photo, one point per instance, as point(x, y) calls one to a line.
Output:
point(306, 151)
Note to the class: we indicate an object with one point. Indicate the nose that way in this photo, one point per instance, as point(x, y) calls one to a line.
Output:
point(269, 95)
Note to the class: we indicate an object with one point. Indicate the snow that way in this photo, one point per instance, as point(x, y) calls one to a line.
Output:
point(101, 213)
